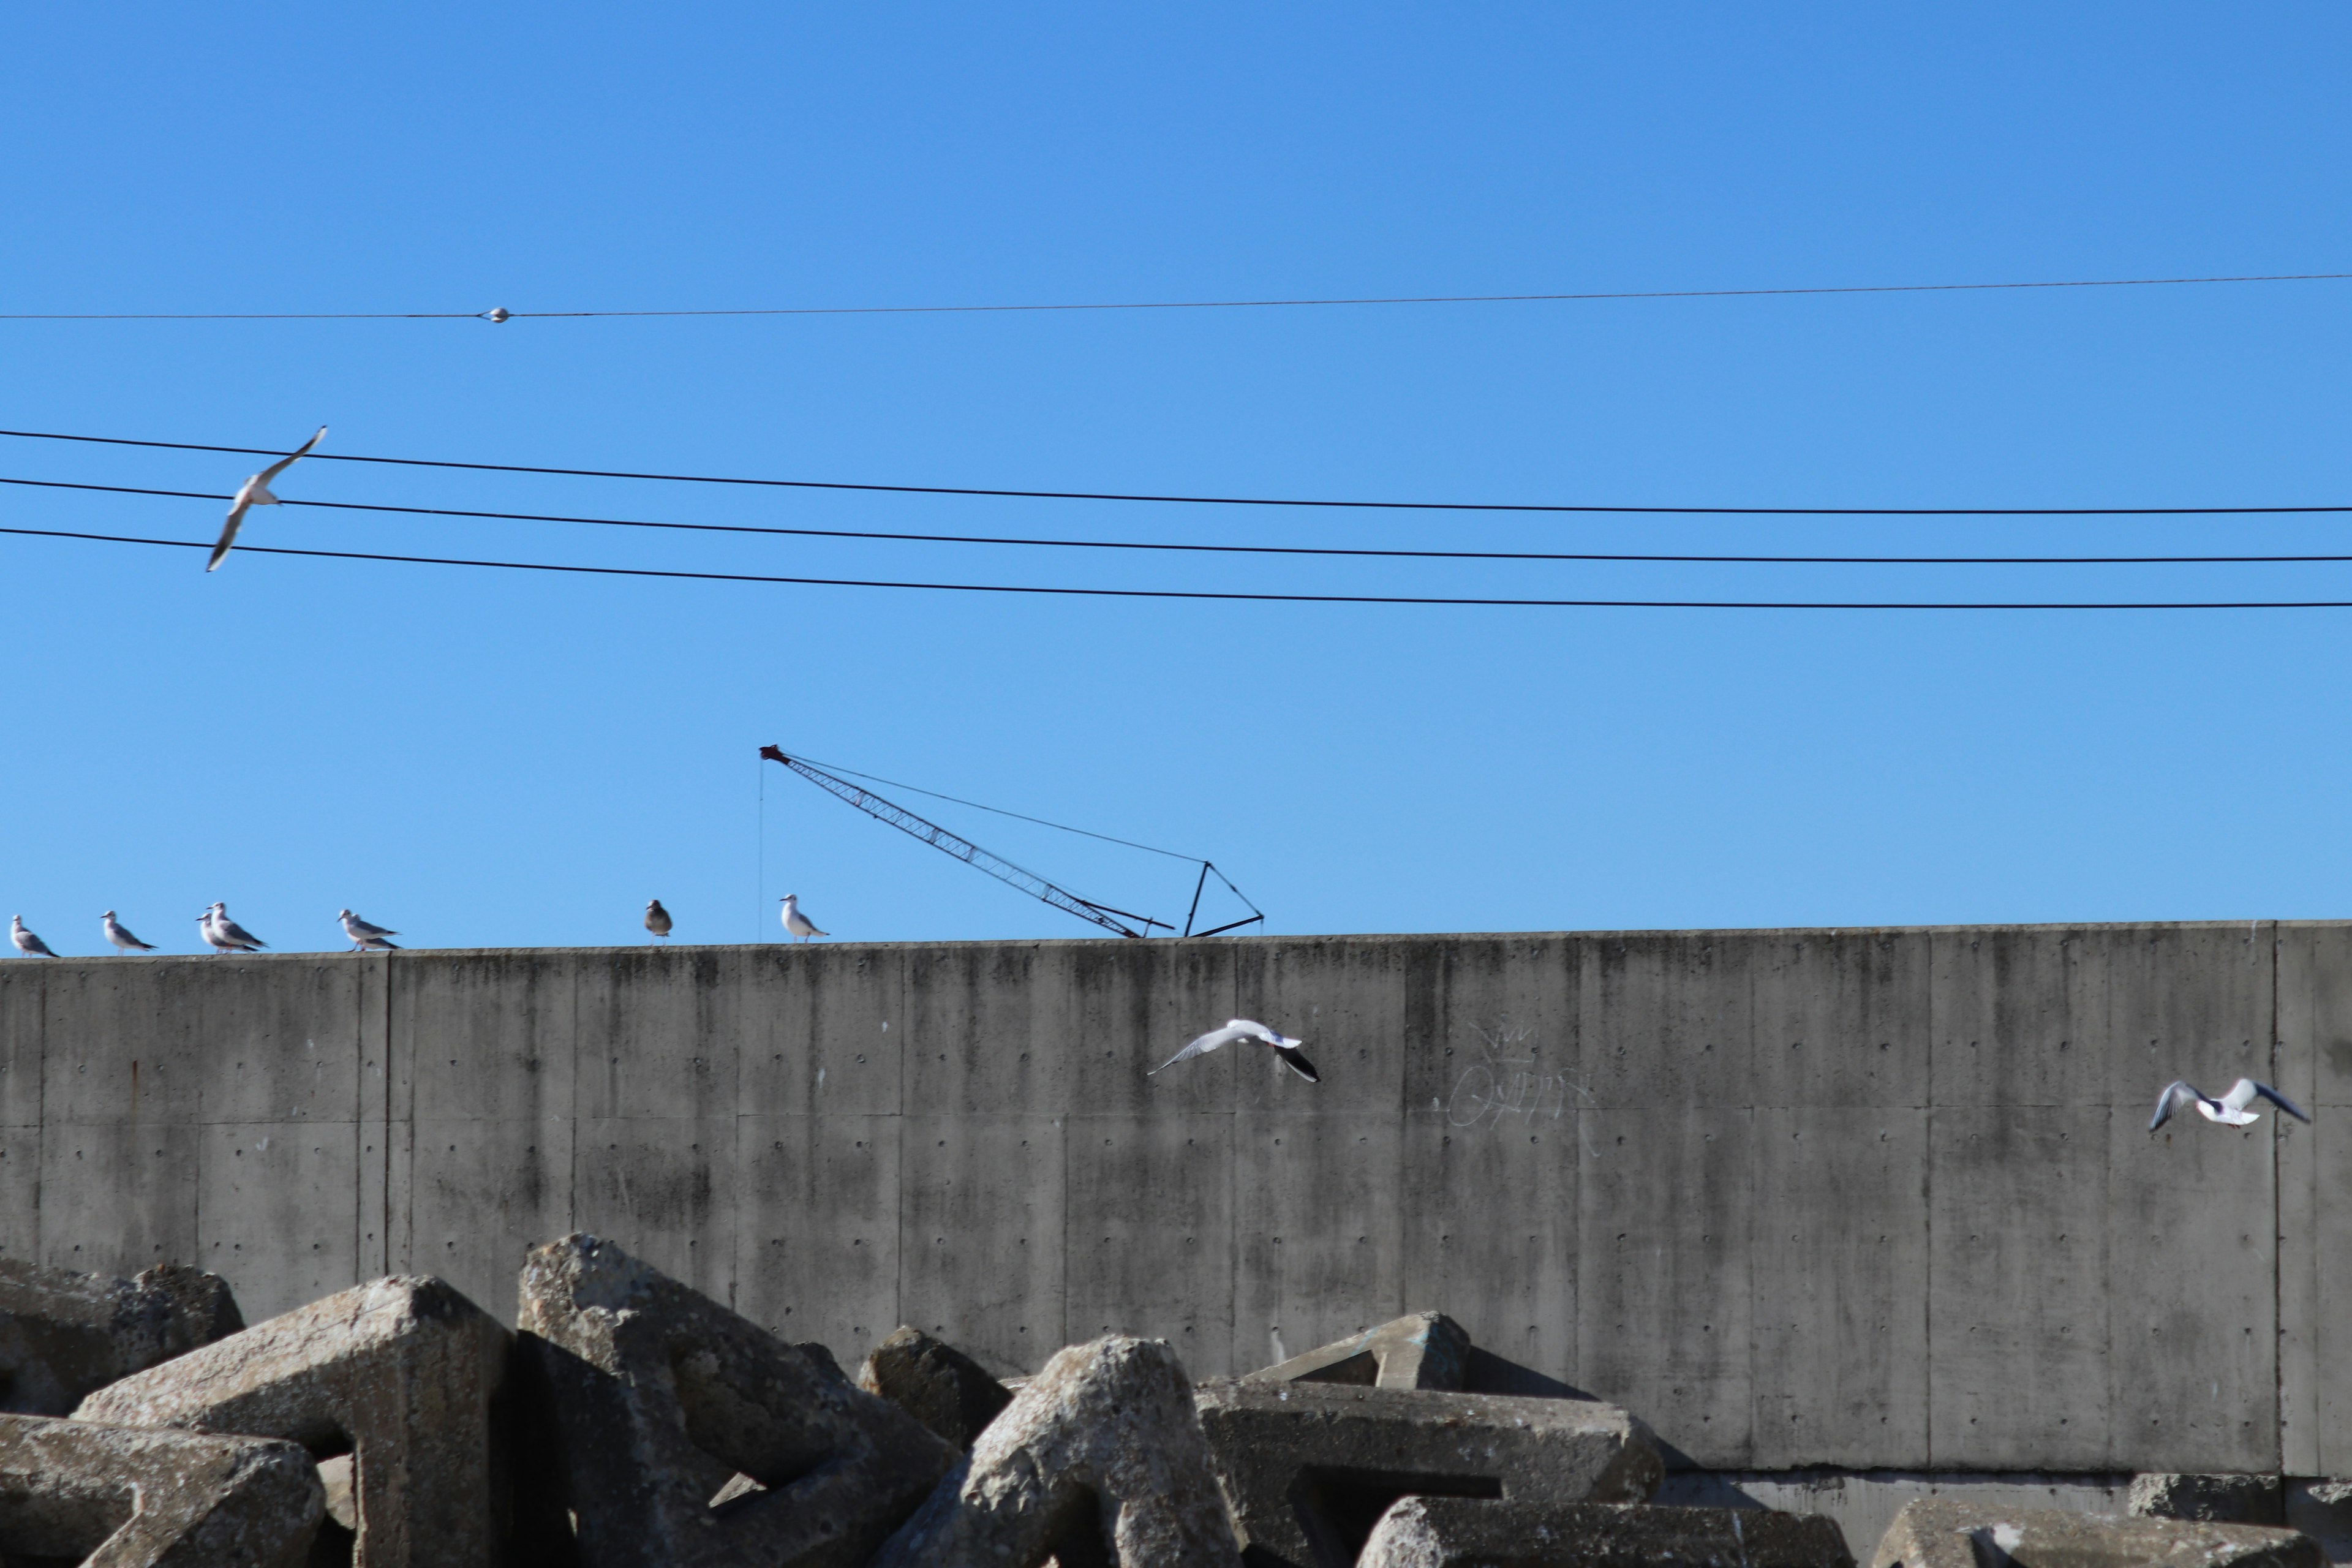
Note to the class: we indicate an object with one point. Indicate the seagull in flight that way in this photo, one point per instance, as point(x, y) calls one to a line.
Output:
point(799, 924)
point(1283, 1046)
point(366, 938)
point(2230, 1109)
point(658, 918)
point(123, 939)
point(223, 934)
point(27, 942)
point(255, 492)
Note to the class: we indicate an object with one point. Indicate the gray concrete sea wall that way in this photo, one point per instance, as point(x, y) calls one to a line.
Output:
point(1879, 1199)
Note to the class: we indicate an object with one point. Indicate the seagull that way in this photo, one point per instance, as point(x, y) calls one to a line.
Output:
point(799, 924)
point(27, 942)
point(223, 934)
point(123, 939)
point(255, 492)
point(366, 938)
point(1247, 1029)
point(2230, 1109)
point(658, 918)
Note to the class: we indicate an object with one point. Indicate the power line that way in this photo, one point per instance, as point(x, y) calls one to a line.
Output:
point(1228, 500)
point(502, 314)
point(1203, 594)
point(1310, 549)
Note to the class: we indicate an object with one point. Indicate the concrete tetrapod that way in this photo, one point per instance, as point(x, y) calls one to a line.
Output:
point(1309, 1468)
point(1467, 1532)
point(654, 1396)
point(399, 1373)
point(63, 1334)
point(936, 1384)
point(118, 1497)
point(1098, 1459)
point(1425, 1350)
point(1936, 1534)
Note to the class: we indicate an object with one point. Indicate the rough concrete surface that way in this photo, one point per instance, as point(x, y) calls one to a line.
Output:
point(656, 1397)
point(399, 1373)
point(1099, 1459)
point(1468, 1532)
point(2232, 1499)
point(116, 1496)
point(1425, 1350)
point(935, 1383)
point(1936, 1534)
point(1308, 1467)
point(63, 1334)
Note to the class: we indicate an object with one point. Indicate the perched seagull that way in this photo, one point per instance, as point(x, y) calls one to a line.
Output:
point(799, 924)
point(123, 939)
point(223, 934)
point(27, 942)
point(366, 938)
point(2230, 1109)
point(658, 918)
point(1283, 1046)
point(255, 492)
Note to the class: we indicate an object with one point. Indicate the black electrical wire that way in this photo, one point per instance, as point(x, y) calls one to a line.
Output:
point(1230, 597)
point(1230, 500)
point(1238, 549)
point(505, 315)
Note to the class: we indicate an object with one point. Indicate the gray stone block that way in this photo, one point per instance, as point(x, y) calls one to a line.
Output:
point(1425, 1350)
point(656, 1397)
point(1935, 1533)
point(63, 1334)
point(117, 1497)
point(399, 1373)
point(1468, 1532)
point(1099, 1461)
point(1309, 1468)
point(935, 1383)
point(2229, 1499)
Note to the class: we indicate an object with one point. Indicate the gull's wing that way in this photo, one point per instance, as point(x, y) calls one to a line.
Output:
point(1298, 1063)
point(36, 947)
point(228, 531)
point(235, 933)
point(286, 462)
point(2177, 1094)
point(2245, 1091)
point(1239, 1030)
point(357, 928)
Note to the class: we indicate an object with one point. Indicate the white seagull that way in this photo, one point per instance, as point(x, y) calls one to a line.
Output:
point(255, 492)
point(658, 918)
point(799, 924)
point(2230, 1109)
point(27, 942)
point(123, 939)
point(366, 938)
point(223, 934)
point(1282, 1045)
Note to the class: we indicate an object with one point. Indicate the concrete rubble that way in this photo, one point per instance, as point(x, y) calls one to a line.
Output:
point(1099, 1459)
point(1308, 1467)
point(1426, 1350)
point(1469, 1532)
point(2230, 1500)
point(118, 1497)
point(63, 1334)
point(936, 1384)
point(1935, 1533)
point(400, 1374)
point(656, 1397)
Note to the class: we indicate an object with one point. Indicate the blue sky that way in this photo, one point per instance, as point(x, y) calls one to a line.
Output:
point(482, 758)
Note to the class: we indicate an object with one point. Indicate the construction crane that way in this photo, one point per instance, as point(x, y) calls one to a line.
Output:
point(1005, 870)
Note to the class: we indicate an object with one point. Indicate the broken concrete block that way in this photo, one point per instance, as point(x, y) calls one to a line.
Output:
point(658, 1398)
point(1100, 1459)
point(935, 1383)
point(1309, 1468)
point(1469, 1532)
point(1934, 1532)
point(72, 1491)
point(2231, 1499)
point(1426, 1350)
point(63, 1334)
point(399, 1373)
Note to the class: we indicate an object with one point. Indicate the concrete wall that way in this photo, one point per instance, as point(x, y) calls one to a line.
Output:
point(1879, 1199)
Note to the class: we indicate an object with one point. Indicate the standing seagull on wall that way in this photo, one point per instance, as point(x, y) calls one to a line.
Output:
point(2230, 1109)
point(1283, 1046)
point(27, 942)
point(121, 939)
point(223, 934)
point(658, 920)
point(799, 924)
point(255, 492)
point(366, 938)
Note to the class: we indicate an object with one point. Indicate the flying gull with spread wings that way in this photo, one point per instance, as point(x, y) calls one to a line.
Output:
point(255, 492)
point(2230, 1109)
point(1283, 1046)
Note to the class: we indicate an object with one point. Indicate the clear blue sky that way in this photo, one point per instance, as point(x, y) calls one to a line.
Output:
point(485, 759)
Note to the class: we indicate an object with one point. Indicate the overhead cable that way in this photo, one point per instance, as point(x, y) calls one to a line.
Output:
point(1227, 500)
